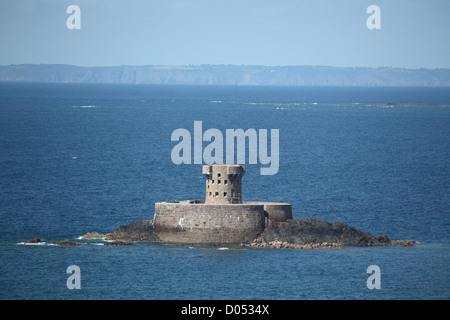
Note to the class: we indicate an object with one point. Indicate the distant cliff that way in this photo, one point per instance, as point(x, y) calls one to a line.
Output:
point(227, 75)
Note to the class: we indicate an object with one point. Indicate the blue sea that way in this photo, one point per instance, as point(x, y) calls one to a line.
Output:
point(78, 158)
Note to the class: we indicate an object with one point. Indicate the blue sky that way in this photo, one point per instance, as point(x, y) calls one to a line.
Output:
point(413, 33)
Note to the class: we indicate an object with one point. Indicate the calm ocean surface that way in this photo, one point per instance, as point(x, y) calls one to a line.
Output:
point(82, 158)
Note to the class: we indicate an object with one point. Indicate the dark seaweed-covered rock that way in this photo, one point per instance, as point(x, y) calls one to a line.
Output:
point(139, 231)
point(404, 243)
point(311, 230)
point(67, 243)
point(34, 240)
point(118, 243)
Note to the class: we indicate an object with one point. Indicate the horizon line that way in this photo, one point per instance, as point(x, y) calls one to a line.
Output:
point(226, 65)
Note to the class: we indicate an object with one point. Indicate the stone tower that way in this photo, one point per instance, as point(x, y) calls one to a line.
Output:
point(223, 217)
point(223, 183)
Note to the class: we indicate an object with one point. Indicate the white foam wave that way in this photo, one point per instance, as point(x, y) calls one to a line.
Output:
point(273, 103)
point(31, 244)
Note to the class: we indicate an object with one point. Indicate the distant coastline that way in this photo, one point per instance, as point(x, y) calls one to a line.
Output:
point(227, 75)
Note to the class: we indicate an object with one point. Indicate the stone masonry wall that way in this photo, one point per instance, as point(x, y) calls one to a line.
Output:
point(176, 222)
point(275, 211)
point(223, 183)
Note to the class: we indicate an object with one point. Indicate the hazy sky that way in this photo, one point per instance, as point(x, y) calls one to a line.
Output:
point(413, 33)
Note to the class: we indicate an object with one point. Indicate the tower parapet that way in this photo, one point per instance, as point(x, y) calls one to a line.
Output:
point(223, 183)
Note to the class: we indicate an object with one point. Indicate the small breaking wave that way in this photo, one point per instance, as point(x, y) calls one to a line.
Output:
point(273, 103)
point(31, 244)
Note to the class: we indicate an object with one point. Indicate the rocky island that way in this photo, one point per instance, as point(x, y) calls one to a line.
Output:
point(223, 218)
point(299, 233)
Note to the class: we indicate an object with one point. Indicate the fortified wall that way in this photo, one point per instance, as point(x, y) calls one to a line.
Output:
point(222, 217)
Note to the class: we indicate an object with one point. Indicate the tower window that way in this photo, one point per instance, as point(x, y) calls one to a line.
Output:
point(225, 181)
point(216, 194)
point(218, 175)
point(218, 181)
point(224, 194)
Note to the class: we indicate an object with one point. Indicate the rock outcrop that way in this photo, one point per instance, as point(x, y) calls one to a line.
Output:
point(67, 243)
point(34, 240)
point(70, 243)
point(139, 231)
point(287, 245)
point(118, 243)
point(294, 233)
point(93, 235)
point(299, 233)
point(404, 243)
point(304, 231)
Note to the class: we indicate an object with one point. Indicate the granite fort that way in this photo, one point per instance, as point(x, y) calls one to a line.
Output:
point(213, 152)
point(222, 217)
